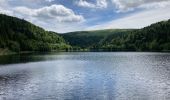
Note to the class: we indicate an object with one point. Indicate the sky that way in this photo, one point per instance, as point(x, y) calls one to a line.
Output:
point(78, 15)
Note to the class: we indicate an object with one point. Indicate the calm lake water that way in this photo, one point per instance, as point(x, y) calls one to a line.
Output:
point(89, 75)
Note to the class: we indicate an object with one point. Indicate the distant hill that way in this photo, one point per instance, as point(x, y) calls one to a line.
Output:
point(20, 35)
point(88, 39)
point(155, 37)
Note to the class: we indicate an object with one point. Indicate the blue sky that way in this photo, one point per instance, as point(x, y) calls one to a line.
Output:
point(77, 15)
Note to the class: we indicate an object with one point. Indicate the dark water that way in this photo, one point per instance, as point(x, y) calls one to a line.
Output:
point(89, 76)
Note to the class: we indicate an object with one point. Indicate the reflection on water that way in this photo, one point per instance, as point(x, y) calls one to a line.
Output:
point(95, 76)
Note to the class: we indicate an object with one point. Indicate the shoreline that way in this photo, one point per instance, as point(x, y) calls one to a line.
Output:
point(30, 52)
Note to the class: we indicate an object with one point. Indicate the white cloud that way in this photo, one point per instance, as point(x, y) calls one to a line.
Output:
point(54, 18)
point(124, 5)
point(4, 6)
point(49, 0)
point(83, 3)
point(3, 11)
point(136, 20)
point(3, 3)
point(62, 19)
point(34, 1)
point(99, 4)
point(128, 5)
point(156, 5)
point(59, 13)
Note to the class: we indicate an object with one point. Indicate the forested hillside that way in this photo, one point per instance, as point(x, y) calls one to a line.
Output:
point(20, 35)
point(89, 39)
point(155, 37)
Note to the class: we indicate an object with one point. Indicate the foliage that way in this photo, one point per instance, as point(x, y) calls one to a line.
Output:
point(89, 39)
point(155, 37)
point(20, 35)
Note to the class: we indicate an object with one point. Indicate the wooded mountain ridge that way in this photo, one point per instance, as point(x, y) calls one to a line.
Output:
point(19, 35)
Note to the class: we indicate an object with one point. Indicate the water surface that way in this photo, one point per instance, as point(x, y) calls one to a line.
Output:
point(90, 76)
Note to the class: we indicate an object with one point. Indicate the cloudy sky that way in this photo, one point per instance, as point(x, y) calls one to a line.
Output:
point(75, 15)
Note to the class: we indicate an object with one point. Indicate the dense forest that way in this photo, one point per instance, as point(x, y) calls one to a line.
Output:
point(89, 39)
point(155, 37)
point(19, 35)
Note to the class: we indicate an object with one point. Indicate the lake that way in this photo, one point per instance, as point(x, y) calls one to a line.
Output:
point(85, 75)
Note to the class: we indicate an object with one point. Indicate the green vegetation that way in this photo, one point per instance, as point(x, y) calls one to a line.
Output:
point(90, 39)
point(155, 37)
point(19, 35)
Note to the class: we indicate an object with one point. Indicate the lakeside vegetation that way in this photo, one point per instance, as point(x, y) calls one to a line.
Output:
point(18, 35)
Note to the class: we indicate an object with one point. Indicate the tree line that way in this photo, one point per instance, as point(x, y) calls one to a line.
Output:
point(19, 35)
point(155, 37)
